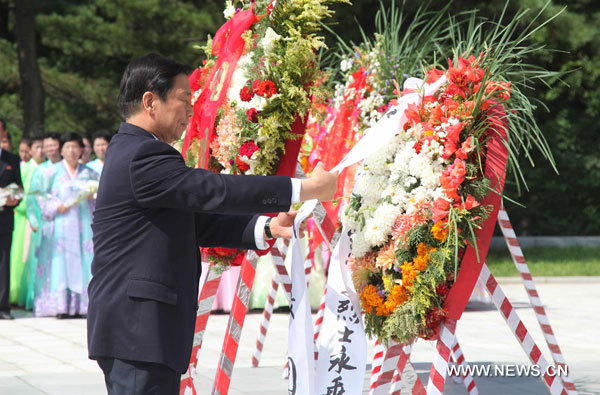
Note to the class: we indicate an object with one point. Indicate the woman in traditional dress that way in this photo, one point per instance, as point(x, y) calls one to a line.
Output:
point(19, 230)
point(65, 274)
point(22, 232)
point(100, 142)
point(25, 296)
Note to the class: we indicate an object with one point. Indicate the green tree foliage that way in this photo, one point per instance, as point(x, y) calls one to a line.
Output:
point(84, 47)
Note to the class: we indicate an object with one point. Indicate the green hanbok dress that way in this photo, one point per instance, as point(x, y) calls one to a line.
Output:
point(18, 239)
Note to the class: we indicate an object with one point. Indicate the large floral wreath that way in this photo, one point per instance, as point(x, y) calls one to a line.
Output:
point(268, 92)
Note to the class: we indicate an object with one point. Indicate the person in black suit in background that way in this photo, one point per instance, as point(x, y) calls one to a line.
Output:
point(10, 172)
point(152, 213)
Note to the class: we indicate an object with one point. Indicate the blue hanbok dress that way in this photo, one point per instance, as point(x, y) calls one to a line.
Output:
point(64, 266)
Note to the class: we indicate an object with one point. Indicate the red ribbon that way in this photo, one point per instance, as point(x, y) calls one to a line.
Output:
point(228, 45)
point(495, 166)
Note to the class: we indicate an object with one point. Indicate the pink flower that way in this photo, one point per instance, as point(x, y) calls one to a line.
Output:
point(467, 146)
point(440, 209)
point(453, 177)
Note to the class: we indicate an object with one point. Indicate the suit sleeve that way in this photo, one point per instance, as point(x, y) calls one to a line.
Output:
point(230, 231)
point(17, 168)
point(160, 179)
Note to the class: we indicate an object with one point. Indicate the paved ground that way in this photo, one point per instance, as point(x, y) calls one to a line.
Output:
point(48, 356)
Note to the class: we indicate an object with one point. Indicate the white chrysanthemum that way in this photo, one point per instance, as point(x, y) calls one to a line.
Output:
point(359, 245)
point(239, 80)
point(269, 40)
point(370, 187)
point(229, 11)
point(379, 228)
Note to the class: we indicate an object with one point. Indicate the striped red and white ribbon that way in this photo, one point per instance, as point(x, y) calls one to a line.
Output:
point(396, 385)
point(439, 368)
point(378, 356)
point(534, 299)
point(382, 383)
point(205, 303)
point(264, 324)
point(319, 321)
point(467, 379)
point(515, 324)
point(235, 324)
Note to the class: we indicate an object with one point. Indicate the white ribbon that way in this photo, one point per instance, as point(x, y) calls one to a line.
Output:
point(390, 124)
point(342, 342)
point(300, 338)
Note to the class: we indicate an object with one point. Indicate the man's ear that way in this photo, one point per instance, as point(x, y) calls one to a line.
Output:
point(149, 102)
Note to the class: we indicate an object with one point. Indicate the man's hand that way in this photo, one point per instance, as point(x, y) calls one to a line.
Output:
point(12, 202)
point(321, 185)
point(62, 209)
point(281, 226)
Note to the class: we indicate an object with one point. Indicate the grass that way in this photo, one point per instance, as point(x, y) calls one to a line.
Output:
point(548, 261)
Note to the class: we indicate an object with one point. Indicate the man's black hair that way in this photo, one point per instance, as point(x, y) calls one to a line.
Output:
point(70, 136)
point(101, 134)
point(151, 73)
point(3, 122)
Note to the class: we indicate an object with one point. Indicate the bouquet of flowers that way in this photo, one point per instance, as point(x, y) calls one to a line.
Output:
point(12, 191)
point(83, 189)
point(416, 204)
point(259, 76)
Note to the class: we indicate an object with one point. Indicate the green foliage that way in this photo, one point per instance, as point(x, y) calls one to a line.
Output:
point(84, 48)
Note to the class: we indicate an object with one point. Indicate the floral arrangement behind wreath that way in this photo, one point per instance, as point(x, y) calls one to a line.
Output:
point(364, 78)
point(416, 202)
point(270, 92)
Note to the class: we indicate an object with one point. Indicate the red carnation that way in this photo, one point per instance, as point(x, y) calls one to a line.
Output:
point(248, 148)
point(269, 88)
point(246, 94)
point(256, 86)
point(252, 115)
point(243, 166)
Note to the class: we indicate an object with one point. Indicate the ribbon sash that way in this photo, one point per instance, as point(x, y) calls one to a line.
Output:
point(228, 44)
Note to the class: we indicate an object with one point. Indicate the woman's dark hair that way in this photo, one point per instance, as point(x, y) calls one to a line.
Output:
point(70, 136)
point(101, 134)
point(37, 137)
point(53, 136)
point(151, 73)
point(26, 141)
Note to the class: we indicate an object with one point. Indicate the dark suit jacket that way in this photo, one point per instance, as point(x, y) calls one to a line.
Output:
point(152, 213)
point(10, 171)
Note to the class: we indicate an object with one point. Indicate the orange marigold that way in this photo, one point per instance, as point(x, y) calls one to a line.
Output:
point(408, 273)
point(439, 231)
point(370, 298)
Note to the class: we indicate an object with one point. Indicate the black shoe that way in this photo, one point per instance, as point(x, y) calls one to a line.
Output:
point(5, 315)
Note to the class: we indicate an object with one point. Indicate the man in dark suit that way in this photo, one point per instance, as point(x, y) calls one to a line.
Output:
point(10, 172)
point(152, 213)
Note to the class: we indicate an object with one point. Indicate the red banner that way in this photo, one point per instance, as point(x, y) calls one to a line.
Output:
point(228, 45)
point(495, 166)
